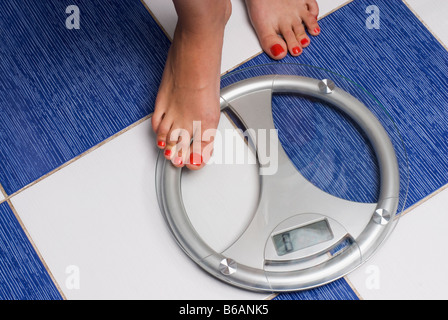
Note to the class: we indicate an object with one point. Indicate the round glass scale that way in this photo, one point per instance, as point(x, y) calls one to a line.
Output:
point(308, 178)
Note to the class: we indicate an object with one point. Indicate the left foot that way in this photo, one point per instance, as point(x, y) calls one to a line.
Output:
point(189, 90)
point(280, 25)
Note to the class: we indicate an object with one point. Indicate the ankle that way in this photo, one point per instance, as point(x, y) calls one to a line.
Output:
point(201, 16)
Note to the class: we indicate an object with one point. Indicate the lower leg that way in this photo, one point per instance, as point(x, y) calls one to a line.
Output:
point(189, 90)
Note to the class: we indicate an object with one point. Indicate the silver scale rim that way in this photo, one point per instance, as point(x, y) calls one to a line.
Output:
point(381, 224)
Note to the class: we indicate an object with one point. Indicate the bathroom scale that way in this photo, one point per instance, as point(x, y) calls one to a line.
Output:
point(297, 236)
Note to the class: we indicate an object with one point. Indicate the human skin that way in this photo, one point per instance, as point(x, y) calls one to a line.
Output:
point(189, 90)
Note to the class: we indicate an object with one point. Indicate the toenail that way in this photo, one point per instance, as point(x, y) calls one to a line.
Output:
point(168, 152)
point(178, 161)
point(195, 159)
point(161, 143)
point(317, 30)
point(277, 49)
point(304, 41)
point(296, 50)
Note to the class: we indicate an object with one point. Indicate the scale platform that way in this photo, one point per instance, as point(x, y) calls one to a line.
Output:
point(296, 236)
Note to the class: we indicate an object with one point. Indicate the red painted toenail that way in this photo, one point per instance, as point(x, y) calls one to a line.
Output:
point(195, 159)
point(304, 41)
point(296, 50)
point(161, 143)
point(317, 30)
point(167, 152)
point(277, 49)
point(178, 161)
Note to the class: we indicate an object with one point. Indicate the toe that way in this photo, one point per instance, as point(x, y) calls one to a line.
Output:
point(176, 155)
point(178, 161)
point(304, 40)
point(274, 47)
point(294, 47)
point(310, 21)
point(169, 152)
point(301, 35)
point(313, 8)
point(201, 149)
point(163, 129)
point(271, 43)
point(180, 158)
point(196, 161)
point(199, 158)
point(178, 141)
point(277, 51)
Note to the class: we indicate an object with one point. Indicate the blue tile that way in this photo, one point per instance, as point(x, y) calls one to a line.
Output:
point(337, 290)
point(22, 274)
point(62, 90)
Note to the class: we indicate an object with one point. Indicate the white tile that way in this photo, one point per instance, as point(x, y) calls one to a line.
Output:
point(2, 197)
point(240, 40)
point(412, 264)
point(100, 216)
point(433, 13)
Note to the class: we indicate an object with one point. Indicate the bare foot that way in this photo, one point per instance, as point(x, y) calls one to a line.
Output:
point(280, 24)
point(189, 90)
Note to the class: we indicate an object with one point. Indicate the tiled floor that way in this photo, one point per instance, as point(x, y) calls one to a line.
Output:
point(412, 264)
point(240, 40)
point(92, 218)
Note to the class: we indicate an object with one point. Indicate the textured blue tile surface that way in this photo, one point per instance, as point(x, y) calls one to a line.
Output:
point(22, 275)
point(63, 90)
point(337, 290)
point(406, 69)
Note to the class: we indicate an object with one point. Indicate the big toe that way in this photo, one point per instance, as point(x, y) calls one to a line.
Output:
point(201, 150)
point(273, 45)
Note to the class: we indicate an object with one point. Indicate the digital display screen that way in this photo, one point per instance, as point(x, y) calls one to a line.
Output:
point(302, 237)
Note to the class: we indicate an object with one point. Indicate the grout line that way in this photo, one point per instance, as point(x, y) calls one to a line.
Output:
point(424, 23)
point(271, 296)
point(418, 203)
point(3, 192)
point(350, 284)
point(35, 249)
point(156, 20)
point(337, 8)
point(119, 133)
point(241, 63)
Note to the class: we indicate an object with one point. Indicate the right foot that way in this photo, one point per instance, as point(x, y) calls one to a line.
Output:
point(280, 25)
point(190, 86)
